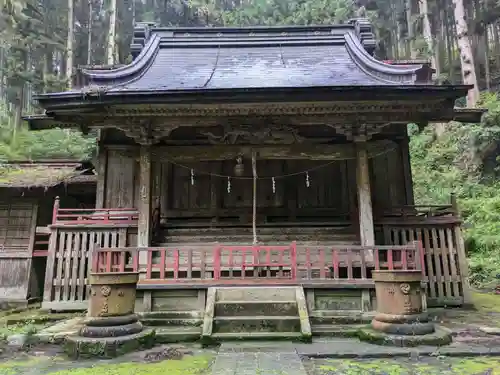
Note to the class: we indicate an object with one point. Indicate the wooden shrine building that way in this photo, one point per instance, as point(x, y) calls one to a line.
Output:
point(27, 194)
point(262, 155)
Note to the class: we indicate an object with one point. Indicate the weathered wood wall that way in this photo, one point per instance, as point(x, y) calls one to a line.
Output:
point(17, 233)
point(331, 194)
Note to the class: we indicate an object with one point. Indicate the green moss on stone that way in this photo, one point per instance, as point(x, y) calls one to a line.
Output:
point(439, 338)
point(78, 347)
point(433, 366)
point(188, 365)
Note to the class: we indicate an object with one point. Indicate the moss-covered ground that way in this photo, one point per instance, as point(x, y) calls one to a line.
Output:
point(29, 321)
point(424, 366)
point(41, 365)
point(484, 312)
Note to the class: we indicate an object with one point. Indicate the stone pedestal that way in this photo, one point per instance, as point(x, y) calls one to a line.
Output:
point(401, 319)
point(112, 294)
point(111, 328)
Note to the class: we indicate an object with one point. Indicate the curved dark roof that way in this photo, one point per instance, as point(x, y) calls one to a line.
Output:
point(178, 59)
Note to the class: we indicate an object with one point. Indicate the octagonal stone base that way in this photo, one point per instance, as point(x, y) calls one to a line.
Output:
point(440, 337)
point(108, 347)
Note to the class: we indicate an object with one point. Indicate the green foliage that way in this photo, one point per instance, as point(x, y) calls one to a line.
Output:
point(456, 162)
point(47, 144)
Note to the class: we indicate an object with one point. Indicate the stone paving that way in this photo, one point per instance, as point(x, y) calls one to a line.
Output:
point(258, 363)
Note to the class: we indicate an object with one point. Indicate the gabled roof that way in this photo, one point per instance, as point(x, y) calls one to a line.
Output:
point(168, 60)
point(45, 174)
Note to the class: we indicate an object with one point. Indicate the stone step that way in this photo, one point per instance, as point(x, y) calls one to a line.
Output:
point(339, 330)
point(167, 335)
point(262, 230)
point(354, 318)
point(256, 308)
point(274, 336)
point(261, 294)
point(333, 239)
point(256, 324)
point(152, 322)
point(171, 315)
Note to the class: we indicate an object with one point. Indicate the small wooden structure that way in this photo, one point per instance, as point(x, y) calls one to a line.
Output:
point(254, 155)
point(28, 190)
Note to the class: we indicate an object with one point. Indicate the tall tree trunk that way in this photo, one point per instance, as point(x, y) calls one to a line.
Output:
point(487, 72)
point(111, 50)
point(89, 34)
point(411, 31)
point(496, 40)
point(69, 45)
point(466, 57)
point(133, 13)
point(426, 23)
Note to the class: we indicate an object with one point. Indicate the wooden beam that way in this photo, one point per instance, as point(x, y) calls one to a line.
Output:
point(295, 151)
point(366, 231)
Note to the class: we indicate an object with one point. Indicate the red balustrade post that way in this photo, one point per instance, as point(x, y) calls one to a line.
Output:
point(55, 210)
point(293, 258)
point(163, 263)
point(149, 265)
point(390, 259)
point(377, 259)
point(216, 256)
point(135, 260)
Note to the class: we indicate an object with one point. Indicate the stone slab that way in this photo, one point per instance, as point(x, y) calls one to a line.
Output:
point(337, 347)
point(261, 363)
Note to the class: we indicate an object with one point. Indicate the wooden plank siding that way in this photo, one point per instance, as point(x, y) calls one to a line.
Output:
point(17, 235)
point(68, 263)
point(444, 258)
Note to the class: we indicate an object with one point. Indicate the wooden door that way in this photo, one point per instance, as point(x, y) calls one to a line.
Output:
point(17, 233)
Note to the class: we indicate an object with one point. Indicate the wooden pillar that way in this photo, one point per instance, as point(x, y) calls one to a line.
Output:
point(144, 225)
point(365, 210)
point(405, 159)
point(102, 160)
point(144, 207)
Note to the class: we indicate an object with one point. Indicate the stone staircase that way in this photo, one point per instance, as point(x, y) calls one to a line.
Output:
point(302, 234)
point(253, 313)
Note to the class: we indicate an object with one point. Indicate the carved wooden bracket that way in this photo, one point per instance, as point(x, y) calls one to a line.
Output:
point(144, 131)
point(255, 134)
point(359, 133)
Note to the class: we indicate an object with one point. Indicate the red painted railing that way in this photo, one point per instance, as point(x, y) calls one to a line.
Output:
point(41, 245)
point(87, 216)
point(228, 264)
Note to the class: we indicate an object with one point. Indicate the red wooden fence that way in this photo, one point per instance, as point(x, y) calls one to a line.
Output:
point(76, 216)
point(204, 264)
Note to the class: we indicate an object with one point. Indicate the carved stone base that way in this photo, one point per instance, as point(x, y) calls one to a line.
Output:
point(403, 328)
point(89, 347)
point(415, 324)
point(440, 337)
point(400, 319)
point(112, 331)
point(111, 320)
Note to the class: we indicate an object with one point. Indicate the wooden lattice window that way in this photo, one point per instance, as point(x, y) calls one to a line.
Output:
point(15, 225)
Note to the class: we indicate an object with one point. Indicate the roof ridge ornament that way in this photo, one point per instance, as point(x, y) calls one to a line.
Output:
point(364, 31)
point(142, 32)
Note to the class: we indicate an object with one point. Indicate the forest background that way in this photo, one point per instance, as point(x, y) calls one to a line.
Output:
point(42, 42)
